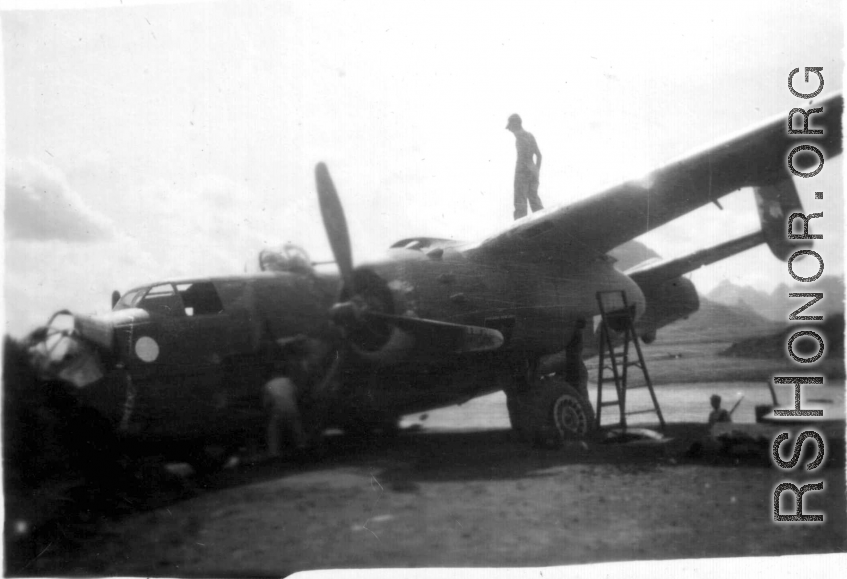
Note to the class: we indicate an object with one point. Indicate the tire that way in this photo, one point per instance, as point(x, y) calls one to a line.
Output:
point(559, 414)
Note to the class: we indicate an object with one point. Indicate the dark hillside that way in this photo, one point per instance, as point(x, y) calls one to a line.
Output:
point(774, 345)
point(715, 322)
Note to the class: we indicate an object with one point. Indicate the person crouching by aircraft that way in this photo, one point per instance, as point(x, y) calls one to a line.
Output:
point(718, 414)
point(283, 413)
point(281, 400)
point(527, 169)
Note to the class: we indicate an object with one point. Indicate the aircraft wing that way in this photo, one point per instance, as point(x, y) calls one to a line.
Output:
point(591, 227)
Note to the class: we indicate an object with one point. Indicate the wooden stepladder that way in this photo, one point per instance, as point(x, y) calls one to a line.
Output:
point(616, 320)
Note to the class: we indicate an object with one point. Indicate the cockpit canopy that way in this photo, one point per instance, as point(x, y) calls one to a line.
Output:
point(174, 299)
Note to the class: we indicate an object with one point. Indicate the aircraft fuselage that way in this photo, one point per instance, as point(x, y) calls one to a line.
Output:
point(197, 364)
point(535, 306)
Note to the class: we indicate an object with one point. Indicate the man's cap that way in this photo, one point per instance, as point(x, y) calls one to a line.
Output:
point(715, 397)
point(514, 121)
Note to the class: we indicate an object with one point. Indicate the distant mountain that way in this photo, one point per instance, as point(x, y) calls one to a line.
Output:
point(777, 305)
point(715, 322)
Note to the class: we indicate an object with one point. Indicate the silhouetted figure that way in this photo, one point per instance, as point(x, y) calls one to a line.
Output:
point(527, 169)
point(718, 414)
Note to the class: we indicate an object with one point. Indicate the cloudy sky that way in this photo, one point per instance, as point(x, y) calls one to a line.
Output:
point(146, 142)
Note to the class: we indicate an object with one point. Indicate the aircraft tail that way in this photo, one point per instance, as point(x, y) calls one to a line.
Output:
point(775, 203)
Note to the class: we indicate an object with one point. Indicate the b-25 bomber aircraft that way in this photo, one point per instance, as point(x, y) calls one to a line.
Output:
point(181, 364)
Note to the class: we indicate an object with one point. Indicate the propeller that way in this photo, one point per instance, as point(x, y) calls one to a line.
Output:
point(350, 313)
point(334, 223)
point(363, 301)
point(367, 309)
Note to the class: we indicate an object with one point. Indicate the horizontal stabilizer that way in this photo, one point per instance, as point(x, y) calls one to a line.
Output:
point(677, 267)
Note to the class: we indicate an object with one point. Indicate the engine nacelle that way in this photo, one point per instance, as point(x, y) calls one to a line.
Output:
point(666, 302)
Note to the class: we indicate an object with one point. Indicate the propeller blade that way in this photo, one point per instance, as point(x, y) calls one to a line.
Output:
point(334, 222)
point(444, 336)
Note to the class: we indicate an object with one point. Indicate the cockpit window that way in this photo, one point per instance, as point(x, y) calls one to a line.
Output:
point(200, 298)
point(162, 299)
point(130, 299)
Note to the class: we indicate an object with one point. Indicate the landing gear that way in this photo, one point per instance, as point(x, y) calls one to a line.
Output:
point(550, 413)
point(568, 412)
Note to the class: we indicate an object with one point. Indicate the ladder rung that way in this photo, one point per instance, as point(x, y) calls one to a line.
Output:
point(621, 359)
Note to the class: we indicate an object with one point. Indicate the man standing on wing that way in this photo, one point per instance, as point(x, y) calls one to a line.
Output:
point(527, 169)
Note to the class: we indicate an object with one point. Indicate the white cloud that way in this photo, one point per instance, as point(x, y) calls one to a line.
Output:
point(140, 105)
point(41, 205)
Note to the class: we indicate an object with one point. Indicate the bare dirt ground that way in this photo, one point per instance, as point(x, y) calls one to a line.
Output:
point(472, 498)
point(455, 489)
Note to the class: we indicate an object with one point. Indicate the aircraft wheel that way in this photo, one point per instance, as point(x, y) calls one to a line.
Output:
point(559, 413)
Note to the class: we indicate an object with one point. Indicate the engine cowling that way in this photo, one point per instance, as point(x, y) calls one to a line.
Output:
point(372, 338)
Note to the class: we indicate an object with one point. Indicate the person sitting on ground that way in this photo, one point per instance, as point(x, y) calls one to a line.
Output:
point(718, 414)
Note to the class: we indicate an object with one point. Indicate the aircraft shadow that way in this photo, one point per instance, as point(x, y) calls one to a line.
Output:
point(401, 464)
point(474, 455)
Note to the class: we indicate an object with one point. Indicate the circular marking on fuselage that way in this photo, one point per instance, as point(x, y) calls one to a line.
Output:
point(147, 349)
